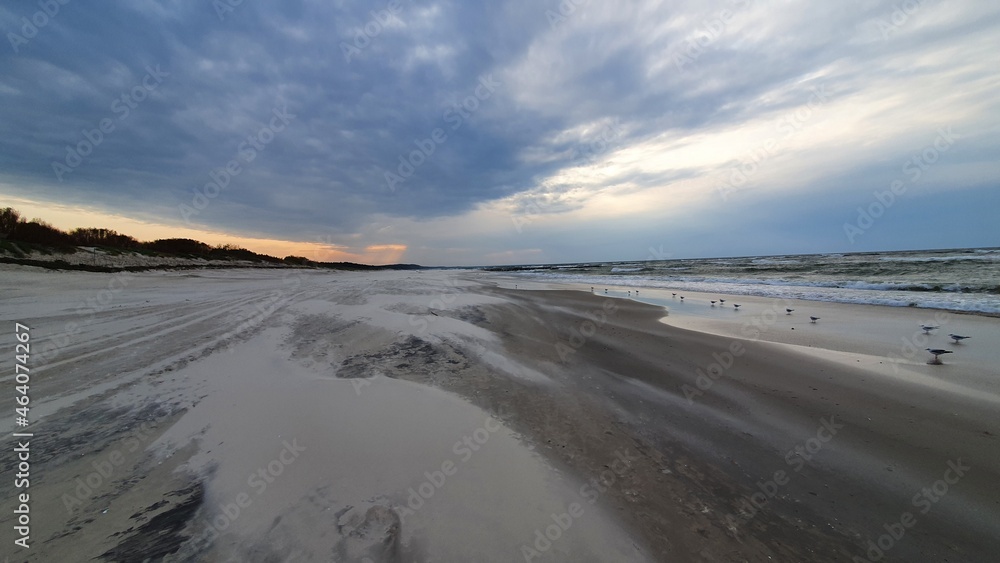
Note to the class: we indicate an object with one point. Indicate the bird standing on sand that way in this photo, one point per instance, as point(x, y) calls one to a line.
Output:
point(789, 311)
point(957, 338)
point(928, 328)
point(682, 298)
point(674, 294)
point(814, 319)
point(722, 300)
point(937, 352)
point(736, 305)
point(713, 303)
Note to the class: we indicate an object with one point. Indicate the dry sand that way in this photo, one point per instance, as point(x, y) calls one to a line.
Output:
point(253, 415)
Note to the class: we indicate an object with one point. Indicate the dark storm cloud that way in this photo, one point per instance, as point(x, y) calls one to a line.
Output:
point(355, 111)
point(363, 85)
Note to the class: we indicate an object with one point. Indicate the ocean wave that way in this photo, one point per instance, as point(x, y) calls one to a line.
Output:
point(775, 262)
point(918, 287)
point(985, 257)
point(867, 293)
point(959, 279)
point(989, 288)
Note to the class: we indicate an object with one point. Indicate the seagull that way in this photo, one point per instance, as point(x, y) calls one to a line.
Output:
point(789, 311)
point(937, 352)
point(813, 319)
point(722, 300)
point(928, 328)
point(674, 294)
point(958, 338)
point(713, 303)
point(736, 306)
point(682, 298)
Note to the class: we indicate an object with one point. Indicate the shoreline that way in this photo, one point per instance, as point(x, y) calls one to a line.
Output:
point(676, 435)
point(888, 332)
point(621, 290)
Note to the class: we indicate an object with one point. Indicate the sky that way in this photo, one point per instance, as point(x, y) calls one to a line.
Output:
point(450, 133)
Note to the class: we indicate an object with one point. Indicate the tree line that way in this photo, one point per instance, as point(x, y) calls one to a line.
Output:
point(36, 232)
point(14, 228)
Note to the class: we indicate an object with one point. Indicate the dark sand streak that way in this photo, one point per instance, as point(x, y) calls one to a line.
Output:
point(895, 439)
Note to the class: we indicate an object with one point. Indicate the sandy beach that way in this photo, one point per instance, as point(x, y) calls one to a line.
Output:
point(443, 415)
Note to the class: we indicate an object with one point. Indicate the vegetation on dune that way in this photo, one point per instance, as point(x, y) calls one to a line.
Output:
point(18, 237)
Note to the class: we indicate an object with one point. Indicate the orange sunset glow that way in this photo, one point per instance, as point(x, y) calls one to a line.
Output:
point(69, 217)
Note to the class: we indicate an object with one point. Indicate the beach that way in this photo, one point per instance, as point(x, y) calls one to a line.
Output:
point(455, 415)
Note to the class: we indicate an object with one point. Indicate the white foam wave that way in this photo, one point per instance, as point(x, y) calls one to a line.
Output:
point(619, 270)
point(858, 292)
point(985, 257)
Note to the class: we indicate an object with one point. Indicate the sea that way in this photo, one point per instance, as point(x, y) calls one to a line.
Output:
point(965, 279)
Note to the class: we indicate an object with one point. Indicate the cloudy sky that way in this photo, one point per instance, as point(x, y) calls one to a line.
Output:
point(522, 131)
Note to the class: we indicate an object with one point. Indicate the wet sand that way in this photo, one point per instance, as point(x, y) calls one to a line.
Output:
point(443, 415)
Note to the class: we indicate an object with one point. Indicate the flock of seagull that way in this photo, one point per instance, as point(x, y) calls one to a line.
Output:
point(722, 302)
point(936, 352)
